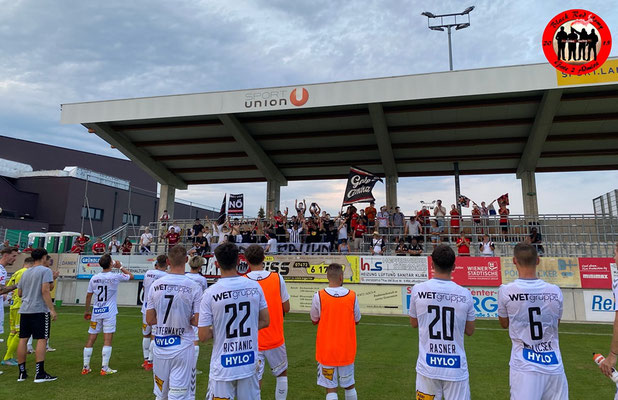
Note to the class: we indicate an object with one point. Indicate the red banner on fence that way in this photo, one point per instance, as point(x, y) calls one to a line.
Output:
point(596, 273)
point(475, 271)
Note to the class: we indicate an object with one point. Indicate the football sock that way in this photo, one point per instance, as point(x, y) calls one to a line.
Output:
point(331, 396)
point(350, 394)
point(106, 353)
point(281, 390)
point(22, 368)
point(11, 346)
point(40, 368)
point(30, 342)
point(87, 356)
point(152, 343)
point(196, 348)
point(146, 347)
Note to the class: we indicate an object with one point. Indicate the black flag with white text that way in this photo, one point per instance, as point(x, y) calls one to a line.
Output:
point(359, 187)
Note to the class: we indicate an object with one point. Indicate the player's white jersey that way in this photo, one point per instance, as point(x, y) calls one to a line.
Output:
point(175, 298)
point(104, 289)
point(231, 306)
point(442, 309)
point(149, 278)
point(202, 281)
point(533, 308)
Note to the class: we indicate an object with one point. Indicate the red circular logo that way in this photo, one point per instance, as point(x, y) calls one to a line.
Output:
point(577, 42)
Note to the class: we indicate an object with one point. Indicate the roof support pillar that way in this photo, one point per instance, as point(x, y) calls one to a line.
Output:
point(391, 193)
point(166, 200)
point(273, 197)
point(539, 131)
point(528, 192)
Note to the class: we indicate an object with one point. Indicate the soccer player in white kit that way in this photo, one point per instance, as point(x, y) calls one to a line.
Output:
point(232, 311)
point(196, 263)
point(271, 340)
point(531, 309)
point(172, 311)
point(150, 277)
point(104, 287)
point(442, 311)
point(609, 363)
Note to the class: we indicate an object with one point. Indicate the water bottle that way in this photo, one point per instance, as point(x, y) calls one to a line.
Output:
point(598, 358)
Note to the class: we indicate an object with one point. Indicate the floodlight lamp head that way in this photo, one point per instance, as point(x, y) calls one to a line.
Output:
point(462, 26)
point(436, 28)
point(467, 10)
point(428, 14)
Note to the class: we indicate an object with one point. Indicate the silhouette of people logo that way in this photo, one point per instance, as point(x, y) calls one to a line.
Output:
point(576, 42)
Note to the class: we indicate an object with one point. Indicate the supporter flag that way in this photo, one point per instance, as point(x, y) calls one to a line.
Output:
point(236, 204)
point(359, 187)
point(504, 199)
point(463, 201)
point(222, 216)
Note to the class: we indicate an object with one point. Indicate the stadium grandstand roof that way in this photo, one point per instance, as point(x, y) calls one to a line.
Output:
point(492, 120)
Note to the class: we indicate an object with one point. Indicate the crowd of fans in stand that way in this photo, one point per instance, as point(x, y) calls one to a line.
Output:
point(352, 231)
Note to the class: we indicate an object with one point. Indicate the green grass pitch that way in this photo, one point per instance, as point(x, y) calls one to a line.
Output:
point(387, 351)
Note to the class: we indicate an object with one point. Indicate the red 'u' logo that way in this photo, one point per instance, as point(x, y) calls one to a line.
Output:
point(302, 100)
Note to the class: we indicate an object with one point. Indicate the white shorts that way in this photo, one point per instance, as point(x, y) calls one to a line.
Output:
point(436, 389)
point(174, 378)
point(331, 377)
point(107, 325)
point(277, 361)
point(538, 386)
point(241, 389)
point(146, 329)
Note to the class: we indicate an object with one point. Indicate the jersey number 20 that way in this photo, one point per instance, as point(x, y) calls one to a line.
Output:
point(235, 309)
point(447, 314)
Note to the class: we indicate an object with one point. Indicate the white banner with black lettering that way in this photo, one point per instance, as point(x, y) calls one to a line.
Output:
point(394, 270)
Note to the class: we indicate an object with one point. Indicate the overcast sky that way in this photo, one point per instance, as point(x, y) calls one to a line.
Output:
point(54, 52)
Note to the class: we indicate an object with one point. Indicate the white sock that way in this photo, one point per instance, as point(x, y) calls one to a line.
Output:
point(150, 350)
point(146, 347)
point(331, 396)
point(281, 390)
point(87, 355)
point(196, 348)
point(30, 342)
point(350, 394)
point(48, 346)
point(106, 353)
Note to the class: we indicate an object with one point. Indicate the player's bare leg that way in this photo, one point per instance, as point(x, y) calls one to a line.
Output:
point(92, 337)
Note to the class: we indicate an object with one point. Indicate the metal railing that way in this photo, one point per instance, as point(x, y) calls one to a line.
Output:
point(562, 235)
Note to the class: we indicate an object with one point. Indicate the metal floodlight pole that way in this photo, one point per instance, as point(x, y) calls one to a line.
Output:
point(455, 24)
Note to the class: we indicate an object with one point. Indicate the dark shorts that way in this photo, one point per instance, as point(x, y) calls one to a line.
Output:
point(36, 325)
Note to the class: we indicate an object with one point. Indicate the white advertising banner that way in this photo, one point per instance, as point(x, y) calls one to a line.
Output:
point(599, 305)
point(485, 302)
point(394, 270)
point(138, 264)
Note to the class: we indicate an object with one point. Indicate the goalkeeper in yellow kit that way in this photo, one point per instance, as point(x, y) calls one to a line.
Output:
point(13, 339)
